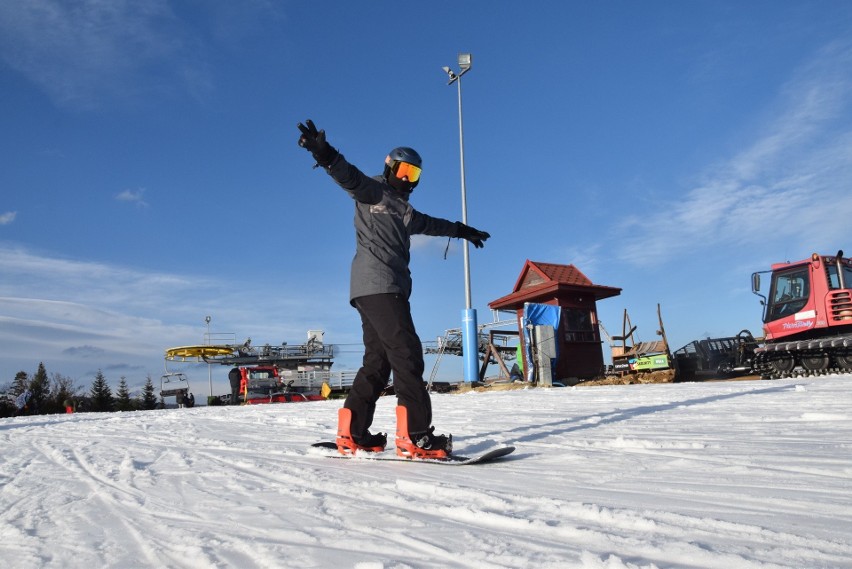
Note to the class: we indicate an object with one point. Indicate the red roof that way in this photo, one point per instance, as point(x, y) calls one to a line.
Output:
point(545, 280)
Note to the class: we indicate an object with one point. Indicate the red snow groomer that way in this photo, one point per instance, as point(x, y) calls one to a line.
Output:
point(263, 384)
point(807, 318)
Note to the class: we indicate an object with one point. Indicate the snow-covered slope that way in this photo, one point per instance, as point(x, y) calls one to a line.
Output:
point(729, 475)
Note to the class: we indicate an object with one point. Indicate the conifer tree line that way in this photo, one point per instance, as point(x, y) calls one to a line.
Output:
point(56, 393)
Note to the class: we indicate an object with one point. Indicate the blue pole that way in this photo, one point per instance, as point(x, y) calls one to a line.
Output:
point(470, 337)
point(470, 345)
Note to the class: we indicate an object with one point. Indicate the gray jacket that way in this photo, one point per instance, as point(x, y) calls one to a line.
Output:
point(384, 224)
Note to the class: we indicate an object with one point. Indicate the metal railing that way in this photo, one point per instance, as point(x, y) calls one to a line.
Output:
point(313, 380)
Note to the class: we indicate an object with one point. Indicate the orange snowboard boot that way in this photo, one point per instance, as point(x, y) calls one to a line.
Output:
point(419, 445)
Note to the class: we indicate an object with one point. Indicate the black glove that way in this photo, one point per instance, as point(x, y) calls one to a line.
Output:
point(314, 142)
point(473, 235)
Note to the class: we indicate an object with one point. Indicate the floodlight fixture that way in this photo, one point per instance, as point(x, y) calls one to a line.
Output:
point(465, 60)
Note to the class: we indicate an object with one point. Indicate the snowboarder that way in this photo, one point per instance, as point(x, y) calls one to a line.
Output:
point(380, 286)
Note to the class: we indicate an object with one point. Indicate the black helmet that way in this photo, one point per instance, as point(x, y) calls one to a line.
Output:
point(404, 154)
point(397, 157)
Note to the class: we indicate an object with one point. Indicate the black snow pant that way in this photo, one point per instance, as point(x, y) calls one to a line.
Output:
point(390, 344)
point(235, 379)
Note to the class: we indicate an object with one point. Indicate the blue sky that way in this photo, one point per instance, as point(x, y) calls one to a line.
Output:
point(151, 175)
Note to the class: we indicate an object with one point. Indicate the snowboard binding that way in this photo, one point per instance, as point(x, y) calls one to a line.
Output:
point(347, 444)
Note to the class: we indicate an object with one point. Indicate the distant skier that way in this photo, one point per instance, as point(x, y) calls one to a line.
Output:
point(234, 377)
point(380, 286)
point(22, 402)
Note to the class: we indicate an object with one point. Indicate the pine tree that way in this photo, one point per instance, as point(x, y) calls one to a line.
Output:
point(101, 394)
point(20, 384)
point(149, 396)
point(122, 396)
point(40, 389)
point(7, 401)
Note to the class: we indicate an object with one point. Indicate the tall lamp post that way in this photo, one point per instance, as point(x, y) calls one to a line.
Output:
point(207, 319)
point(470, 338)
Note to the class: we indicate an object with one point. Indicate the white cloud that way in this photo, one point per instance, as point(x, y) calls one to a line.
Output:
point(87, 52)
point(79, 315)
point(8, 217)
point(82, 52)
point(434, 244)
point(588, 260)
point(133, 197)
point(54, 277)
point(790, 185)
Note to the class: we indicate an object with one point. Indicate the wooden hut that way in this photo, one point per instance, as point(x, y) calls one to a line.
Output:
point(580, 354)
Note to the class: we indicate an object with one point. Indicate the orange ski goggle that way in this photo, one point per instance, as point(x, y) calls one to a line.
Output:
point(405, 170)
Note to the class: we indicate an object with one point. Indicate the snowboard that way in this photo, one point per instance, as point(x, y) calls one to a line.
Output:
point(453, 459)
